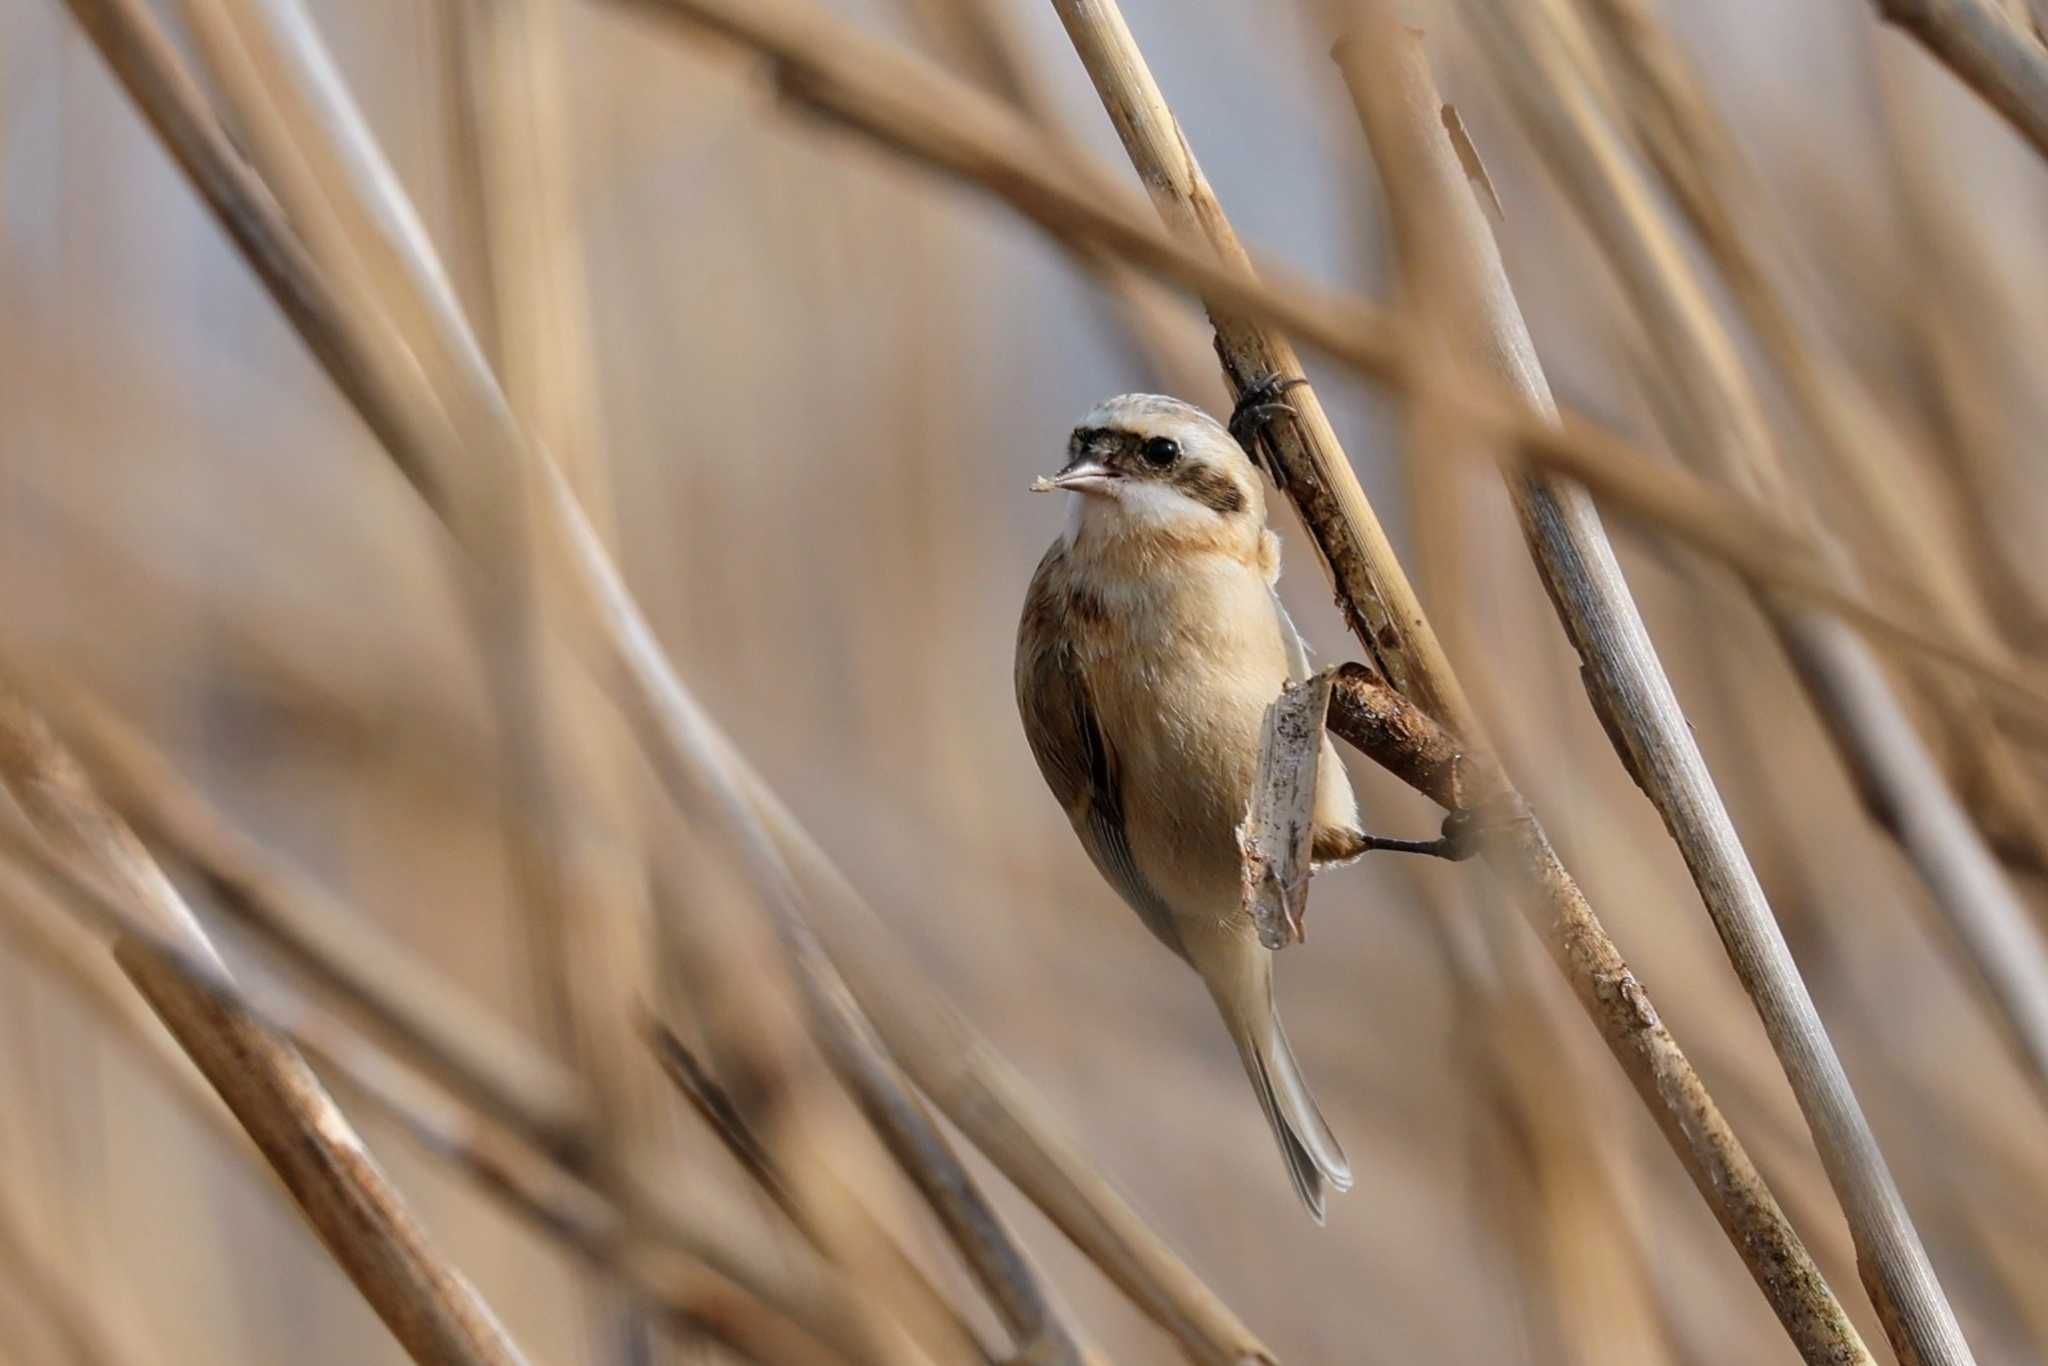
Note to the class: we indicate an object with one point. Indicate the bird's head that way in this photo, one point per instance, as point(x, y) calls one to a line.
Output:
point(1142, 466)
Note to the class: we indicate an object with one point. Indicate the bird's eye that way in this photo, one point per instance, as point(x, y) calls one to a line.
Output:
point(1160, 451)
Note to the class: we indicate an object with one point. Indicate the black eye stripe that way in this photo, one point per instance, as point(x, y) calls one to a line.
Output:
point(1211, 488)
point(1086, 438)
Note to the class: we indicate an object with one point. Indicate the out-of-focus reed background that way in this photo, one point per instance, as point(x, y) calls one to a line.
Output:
point(817, 381)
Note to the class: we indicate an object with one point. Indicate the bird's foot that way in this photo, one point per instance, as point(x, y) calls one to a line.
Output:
point(1463, 833)
point(1259, 406)
point(1456, 843)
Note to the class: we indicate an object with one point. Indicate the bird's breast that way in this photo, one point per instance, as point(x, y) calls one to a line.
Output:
point(1181, 670)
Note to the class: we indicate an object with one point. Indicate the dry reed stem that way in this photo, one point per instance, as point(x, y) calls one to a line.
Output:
point(764, 1307)
point(30, 924)
point(1894, 769)
point(327, 939)
point(1990, 49)
point(1963, 322)
point(658, 1262)
point(429, 1307)
point(1727, 422)
point(376, 229)
point(909, 107)
point(589, 891)
point(583, 887)
point(288, 102)
point(1701, 163)
point(1305, 455)
point(700, 768)
point(1865, 718)
point(1582, 574)
point(376, 243)
point(1165, 337)
point(620, 1228)
point(982, 1093)
point(1562, 1206)
point(694, 770)
point(467, 1044)
point(715, 1106)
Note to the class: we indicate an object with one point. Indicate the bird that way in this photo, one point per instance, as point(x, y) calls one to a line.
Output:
point(1151, 643)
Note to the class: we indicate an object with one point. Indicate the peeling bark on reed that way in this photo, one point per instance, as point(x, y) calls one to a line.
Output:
point(1275, 841)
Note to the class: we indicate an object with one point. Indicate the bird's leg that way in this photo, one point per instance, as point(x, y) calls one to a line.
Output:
point(1259, 404)
point(1458, 842)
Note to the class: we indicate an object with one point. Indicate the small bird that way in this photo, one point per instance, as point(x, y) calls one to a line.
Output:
point(1151, 644)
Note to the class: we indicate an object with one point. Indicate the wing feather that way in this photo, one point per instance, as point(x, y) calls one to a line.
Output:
point(1077, 759)
point(1297, 652)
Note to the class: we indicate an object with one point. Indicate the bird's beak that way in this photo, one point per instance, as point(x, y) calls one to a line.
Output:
point(1083, 476)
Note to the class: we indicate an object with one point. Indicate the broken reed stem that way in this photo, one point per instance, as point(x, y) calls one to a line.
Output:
point(1275, 843)
point(908, 106)
point(1988, 47)
point(426, 1303)
point(1581, 566)
point(359, 341)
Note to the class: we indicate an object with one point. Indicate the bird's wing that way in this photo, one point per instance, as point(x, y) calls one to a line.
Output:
point(1297, 653)
point(1078, 762)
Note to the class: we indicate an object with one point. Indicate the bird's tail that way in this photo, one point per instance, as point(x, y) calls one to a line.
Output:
point(1244, 992)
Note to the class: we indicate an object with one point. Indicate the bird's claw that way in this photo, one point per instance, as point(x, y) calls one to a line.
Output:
point(1461, 831)
point(1258, 406)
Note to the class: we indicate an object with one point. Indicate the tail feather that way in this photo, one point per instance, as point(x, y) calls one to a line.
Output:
point(1302, 1168)
point(1309, 1149)
point(1304, 1120)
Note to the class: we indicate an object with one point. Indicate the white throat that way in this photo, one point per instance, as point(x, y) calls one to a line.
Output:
point(1137, 508)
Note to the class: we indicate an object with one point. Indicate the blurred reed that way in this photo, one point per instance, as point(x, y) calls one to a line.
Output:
point(713, 413)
